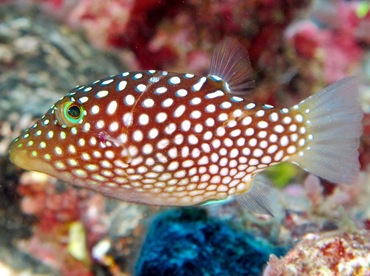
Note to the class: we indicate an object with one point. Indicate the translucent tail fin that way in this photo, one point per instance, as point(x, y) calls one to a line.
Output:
point(333, 122)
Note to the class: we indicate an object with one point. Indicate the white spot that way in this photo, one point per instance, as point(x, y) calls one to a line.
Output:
point(302, 142)
point(112, 107)
point(137, 76)
point(121, 85)
point(160, 90)
point(154, 79)
point(216, 94)
point(198, 128)
point(199, 84)
point(225, 105)
point(171, 128)
point(262, 124)
point(189, 76)
point(147, 149)
point(287, 120)
point(264, 144)
point(246, 151)
point(129, 100)
point(106, 82)
point(284, 110)
point(262, 134)
point(291, 149)
point(137, 135)
point(192, 139)
point(274, 117)
point(203, 161)
point(257, 153)
point(148, 103)
point(253, 162)
point(220, 131)
point(58, 151)
point(260, 113)
point(266, 159)
point(231, 123)
point(179, 138)
point(109, 154)
point(247, 120)
point(210, 122)
point(228, 142)
point(252, 142)
point(216, 143)
point(196, 114)
point(240, 142)
point(284, 141)
point(279, 129)
point(299, 118)
point(293, 127)
point(273, 138)
point(222, 117)
point(161, 117)
point(174, 80)
point(83, 100)
point(167, 102)
point(102, 94)
point(162, 144)
point(187, 163)
point(302, 130)
point(279, 155)
point(195, 101)
point(250, 106)
point(60, 165)
point(185, 125)
point(172, 153)
point(49, 135)
point(213, 169)
point(272, 149)
point(153, 133)
point(181, 93)
point(234, 153)
point(207, 135)
point(249, 131)
point(236, 99)
point(235, 133)
point(95, 109)
point(179, 111)
point(143, 119)
point(174, 165)
point(140, 87)
point(71, 149)
point(210, 108)
point(128, 119)
point(238, 113)
point(294, 137)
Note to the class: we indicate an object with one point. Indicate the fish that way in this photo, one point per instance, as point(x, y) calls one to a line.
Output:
point(177, 139)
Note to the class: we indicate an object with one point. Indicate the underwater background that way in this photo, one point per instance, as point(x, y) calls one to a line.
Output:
point(296, 48)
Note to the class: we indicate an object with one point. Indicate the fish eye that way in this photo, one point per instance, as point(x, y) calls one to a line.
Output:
point(69, 113)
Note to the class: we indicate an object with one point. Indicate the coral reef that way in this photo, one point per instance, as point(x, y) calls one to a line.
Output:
point(187, 242)
point(331, 253)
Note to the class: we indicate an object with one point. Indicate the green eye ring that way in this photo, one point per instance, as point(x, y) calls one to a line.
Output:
point(69, 113)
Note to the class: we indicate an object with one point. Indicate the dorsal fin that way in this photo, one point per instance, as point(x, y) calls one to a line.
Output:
point(230, 62)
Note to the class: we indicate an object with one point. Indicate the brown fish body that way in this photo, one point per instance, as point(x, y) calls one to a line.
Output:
point(164, 138)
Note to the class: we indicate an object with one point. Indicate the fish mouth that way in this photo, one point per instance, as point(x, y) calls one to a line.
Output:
point(24, 159)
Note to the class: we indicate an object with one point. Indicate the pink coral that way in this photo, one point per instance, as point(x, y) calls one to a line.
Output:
point(56, 213)
point(331, 253)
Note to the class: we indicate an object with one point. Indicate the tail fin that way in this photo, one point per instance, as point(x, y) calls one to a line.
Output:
point(333, 123)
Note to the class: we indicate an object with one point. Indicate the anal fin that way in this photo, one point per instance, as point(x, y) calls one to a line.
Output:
point(260, 197)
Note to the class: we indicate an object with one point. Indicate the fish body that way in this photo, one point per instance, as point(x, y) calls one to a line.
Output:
point(163, 138)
